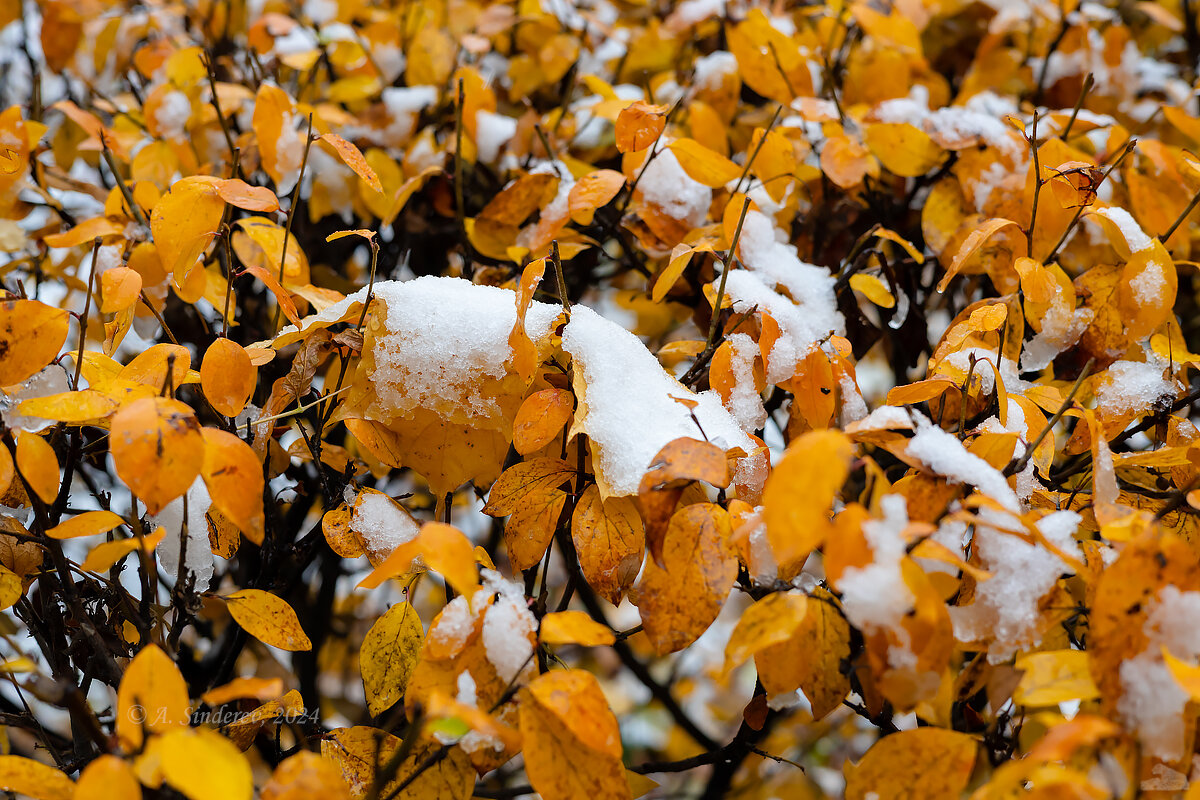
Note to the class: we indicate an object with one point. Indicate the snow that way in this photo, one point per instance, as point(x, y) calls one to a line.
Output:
point(799, 331)
point(442, 340)
point(403, 103)
point(711, 70)
point(666, 185)
point(381, 523)
point(804, 320)
point(943, 453)
point(197, 555)
point(1135, 237)
point(745, 403)
point(466, 689)
point(689, 12)
point(289, 153)
point(408, 99)
point(1152, 703)
point(320, 11)
point(979, 120)
point(297, 40)
point(1129, 387)
point(875, 597)
point(172, 114)
point(883, 418)
point(453, 626)
point(627, 406)
point(1061, 327)
point(492, 131)
point(508, 628)
point(1148, 284)
point(1005, 610)
point(52, 379)
point(854, 407)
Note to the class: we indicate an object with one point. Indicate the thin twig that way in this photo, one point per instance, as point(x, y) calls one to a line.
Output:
point(1019, 464)
point(87, 310)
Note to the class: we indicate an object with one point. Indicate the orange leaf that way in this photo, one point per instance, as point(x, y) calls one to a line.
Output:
point(593, 191)
point(241, 194)
point(541, 418)
point(157, 449)
point(972, 244)
point(703, 165)
point(639, 126)
point(353, 158)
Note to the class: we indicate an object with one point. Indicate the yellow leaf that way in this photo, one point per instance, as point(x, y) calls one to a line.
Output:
point(87, 405)
point(902, 149)
point(574, 627)
point(38, 465)
point(157, 449)
point(243, 195)
point(593, 191)
point(306, 775)
point(104, 555)
point(108, 778)
point(152, 698)
point(120, 287)
point(609, 539)
point(158, 366)
point(34, 779)
point(874, 289)
point(703, 165)
point(227, 376)
point(541, 418)
point(970, 246)
point(929, 763)
point(359, 751)
point(234, 477)
point(353, 159)
point(203, 765)
point(680, 600)
point(769, 621)
point(639, 125)
point(800, 491)
point(261, 689)
point(85, 524)
point(681, 256)
point(31, 334)
point(389, 652)
point(811, 659)
point(529, 494)
point(11, 588)
point(442, 548)
point(268, 619)
point(1054, 676)
point(184, 221)
point(572, 745)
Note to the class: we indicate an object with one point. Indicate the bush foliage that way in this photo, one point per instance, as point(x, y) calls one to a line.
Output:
point(598, 399)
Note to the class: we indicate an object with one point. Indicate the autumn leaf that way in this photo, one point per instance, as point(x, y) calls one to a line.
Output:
point(152, 698)
point(639, 126)
point(157, 449)
point(268, 619)
point(927, 762)
point(572, 744)
point(34, 779)
point(31, 334)
point(610, 540)
point(798, 494)
point(679, 600)
point(529, 494)
point(389, 652)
